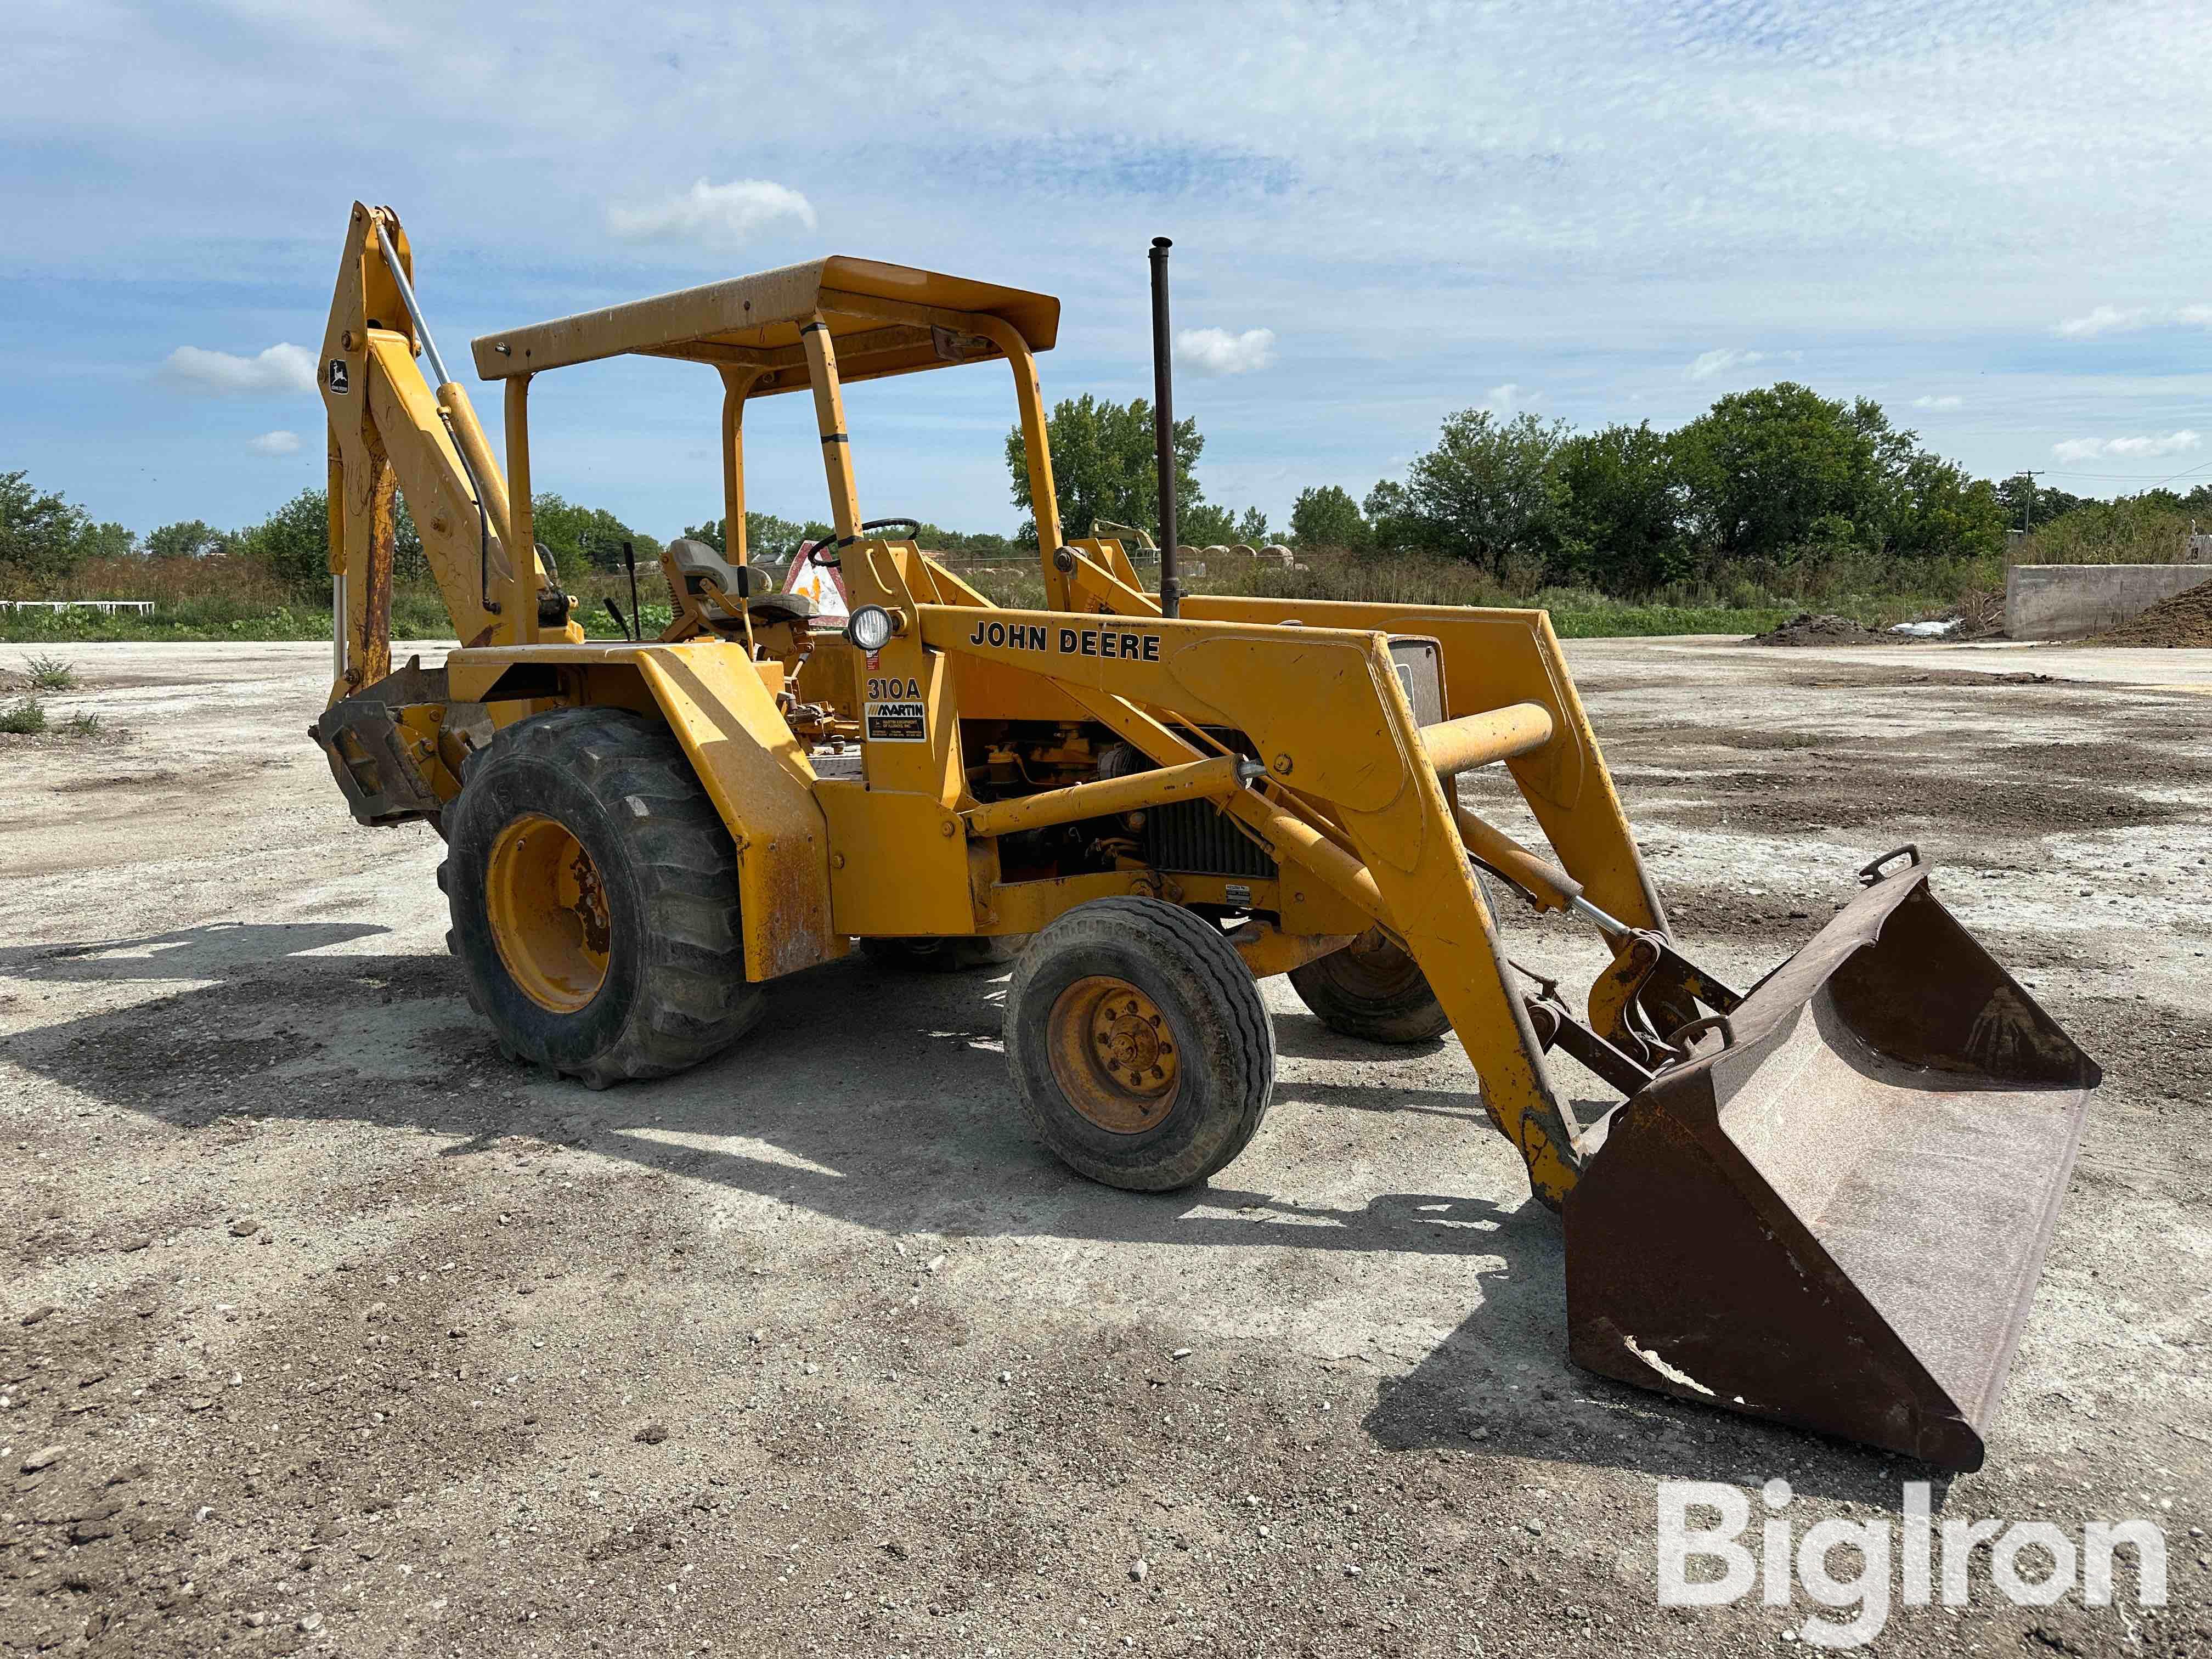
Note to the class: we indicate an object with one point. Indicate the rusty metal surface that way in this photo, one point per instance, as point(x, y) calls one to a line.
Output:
point(1839, 1220)
point(361, 737)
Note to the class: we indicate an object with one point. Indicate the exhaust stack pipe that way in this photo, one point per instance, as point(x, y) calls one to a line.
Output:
point(1163, 428)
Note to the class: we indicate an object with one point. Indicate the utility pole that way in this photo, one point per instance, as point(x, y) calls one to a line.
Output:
point(2027, 505)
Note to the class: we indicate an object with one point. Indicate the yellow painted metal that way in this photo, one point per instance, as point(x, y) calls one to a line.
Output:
point(906, 869)
point(829, 423)
point(1269, 951)
point(1354, 803)
point(1329, 719)
point(469, 438)
point(1473, 740)
point(753, 769)
point(547, 909)
point(753, 322)
point(386, 422)
point(1611, 993)
point(1100, 582)
point(1545, 882)
point(737, 387)
point(520, 602)
point(1113, 1054)
point(1490, 659)
point(1199, 780)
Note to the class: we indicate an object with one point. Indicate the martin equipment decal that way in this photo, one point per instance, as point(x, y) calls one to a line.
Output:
point(894, 711)
point(1115, 642)
point(341, 384)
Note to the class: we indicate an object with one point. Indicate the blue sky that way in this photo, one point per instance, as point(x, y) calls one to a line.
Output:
point(1990, 217)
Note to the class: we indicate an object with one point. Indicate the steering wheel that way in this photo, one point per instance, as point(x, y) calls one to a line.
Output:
point(913, 527)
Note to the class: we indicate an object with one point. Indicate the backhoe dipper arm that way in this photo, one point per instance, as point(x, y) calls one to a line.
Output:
point(389, 428)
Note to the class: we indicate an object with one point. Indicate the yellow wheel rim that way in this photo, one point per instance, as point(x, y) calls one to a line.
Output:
point(1113, 1055)
point(549, 914)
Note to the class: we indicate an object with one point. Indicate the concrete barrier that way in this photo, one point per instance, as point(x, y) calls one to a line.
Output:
point(2067, 601)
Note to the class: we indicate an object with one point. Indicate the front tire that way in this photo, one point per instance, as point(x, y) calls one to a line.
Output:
point(1140, 1050)
point(593, 891)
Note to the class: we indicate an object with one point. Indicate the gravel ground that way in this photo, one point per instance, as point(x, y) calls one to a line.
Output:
point(328, 1331)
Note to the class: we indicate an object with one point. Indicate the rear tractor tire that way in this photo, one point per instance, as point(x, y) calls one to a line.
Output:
point(1140, 1050)
point(1371, 990)
point(594, 891)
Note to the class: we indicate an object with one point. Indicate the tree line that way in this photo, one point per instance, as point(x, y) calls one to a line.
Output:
point(1773, 478)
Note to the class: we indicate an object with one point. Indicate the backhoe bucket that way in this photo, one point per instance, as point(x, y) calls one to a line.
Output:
point(1835, 1215)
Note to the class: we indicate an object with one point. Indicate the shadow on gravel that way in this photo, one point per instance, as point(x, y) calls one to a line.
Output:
point(1501, 1383)
point(880, 1099)
point(876, 1097)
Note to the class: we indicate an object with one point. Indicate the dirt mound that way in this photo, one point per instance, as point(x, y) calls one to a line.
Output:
point(2184, 620)
point(1807, 628)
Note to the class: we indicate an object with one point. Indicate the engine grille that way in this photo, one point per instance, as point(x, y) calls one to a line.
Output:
point(1196, 837)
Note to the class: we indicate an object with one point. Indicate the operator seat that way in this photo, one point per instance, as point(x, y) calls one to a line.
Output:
point(701, 569)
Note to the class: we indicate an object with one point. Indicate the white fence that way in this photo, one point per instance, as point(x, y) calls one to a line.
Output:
point(106, 607)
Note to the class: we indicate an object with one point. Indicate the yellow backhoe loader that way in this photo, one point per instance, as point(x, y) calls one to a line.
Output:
point(1825, 1200)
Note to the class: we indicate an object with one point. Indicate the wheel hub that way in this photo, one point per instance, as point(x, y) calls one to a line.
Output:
point(548, 908)
point(1113, 1055)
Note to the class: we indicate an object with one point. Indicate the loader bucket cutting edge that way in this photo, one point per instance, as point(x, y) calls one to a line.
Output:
point(1839, 1219)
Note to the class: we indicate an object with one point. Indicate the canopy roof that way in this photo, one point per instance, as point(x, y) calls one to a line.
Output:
point(883, 319)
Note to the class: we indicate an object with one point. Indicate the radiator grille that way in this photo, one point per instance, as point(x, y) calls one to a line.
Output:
point(1196, 837)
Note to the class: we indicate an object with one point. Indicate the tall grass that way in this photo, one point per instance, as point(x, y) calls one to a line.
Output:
point(2127, 531)
point(226, 598)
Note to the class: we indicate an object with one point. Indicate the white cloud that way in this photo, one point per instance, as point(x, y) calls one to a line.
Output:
point(281, 368)
point(721, 215)
point(2105, 319)
point(2147, 447)
point(1500, 400)
point(1947, 401)
point(275, 443)
point(1707, 364)
point(1217, 351)
point(2114, 319)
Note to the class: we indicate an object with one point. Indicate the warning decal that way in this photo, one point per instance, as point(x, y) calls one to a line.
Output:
point(896, 722)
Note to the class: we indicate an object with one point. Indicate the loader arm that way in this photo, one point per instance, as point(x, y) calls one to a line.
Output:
point(1332, 727)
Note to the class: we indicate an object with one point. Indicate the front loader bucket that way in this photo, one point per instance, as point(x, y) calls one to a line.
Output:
point(1838, 1219)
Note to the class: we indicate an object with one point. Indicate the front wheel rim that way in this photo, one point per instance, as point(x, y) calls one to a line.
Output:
point(1113, 1055)
point(548, 910)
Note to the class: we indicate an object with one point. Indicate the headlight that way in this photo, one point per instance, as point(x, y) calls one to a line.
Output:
point(871, 628)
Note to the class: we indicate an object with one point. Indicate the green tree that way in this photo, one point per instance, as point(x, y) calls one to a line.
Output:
point(1942, 512)
point(107, 541)
point(768, 539)
point(1625, 531)
point(2027, 506)
point(1759, 468)
point(410, 563)
point(973, 543)
point(293, 544)
point(1327, 516)
point(191, 539)
point(41, 534)
point(1491, 492)
point(1103, 467)
point(577, 536)
point(1204, 524)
